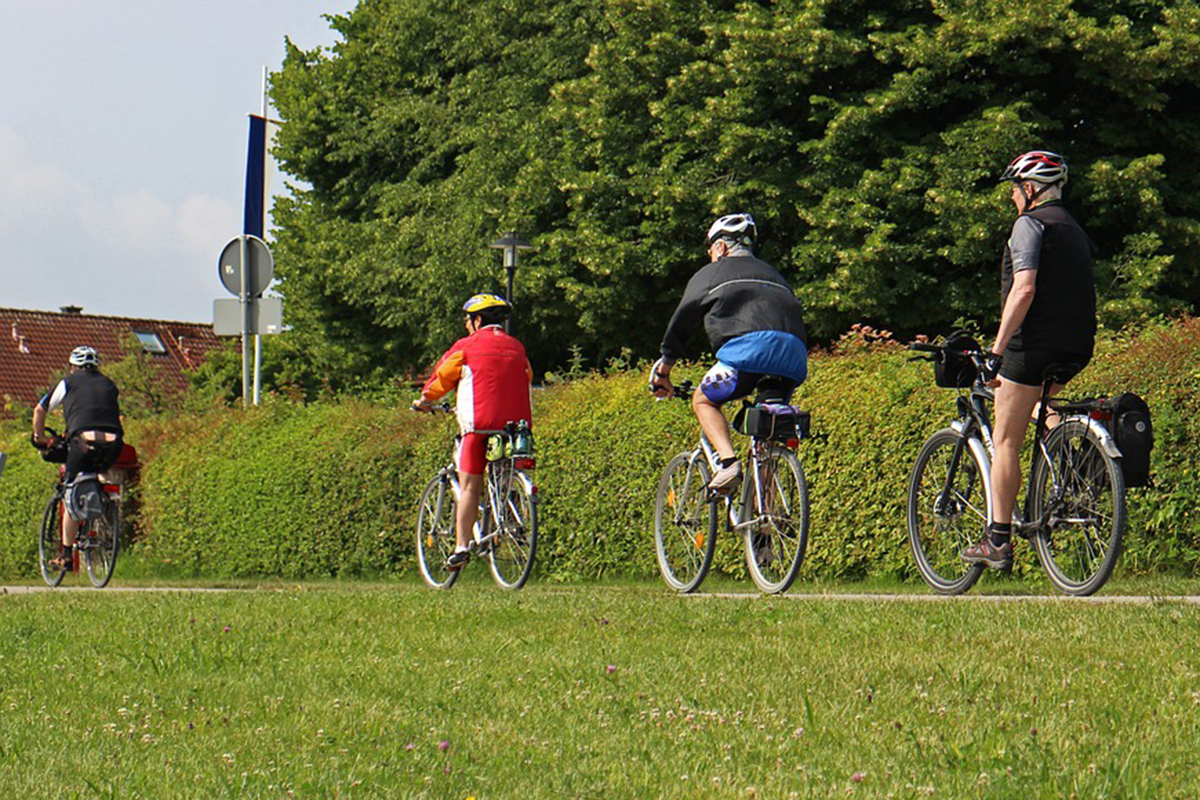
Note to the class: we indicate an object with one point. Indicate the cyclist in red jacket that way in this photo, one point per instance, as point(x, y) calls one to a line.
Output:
point(492, 376)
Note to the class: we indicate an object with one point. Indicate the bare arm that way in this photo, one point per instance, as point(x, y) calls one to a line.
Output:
point(39, 424)
point(1020, 297)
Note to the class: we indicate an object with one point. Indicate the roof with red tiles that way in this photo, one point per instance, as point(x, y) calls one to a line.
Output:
point(35, 346)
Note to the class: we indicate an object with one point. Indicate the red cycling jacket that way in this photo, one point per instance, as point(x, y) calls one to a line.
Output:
point(492, 374)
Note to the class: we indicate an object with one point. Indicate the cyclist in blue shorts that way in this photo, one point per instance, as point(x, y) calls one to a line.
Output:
point(755, 326)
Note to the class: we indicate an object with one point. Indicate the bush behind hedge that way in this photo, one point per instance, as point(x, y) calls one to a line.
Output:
point(332, 488)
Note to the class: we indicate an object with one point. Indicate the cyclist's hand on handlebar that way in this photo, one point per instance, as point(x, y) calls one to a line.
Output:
point(991, 369)
point(660, 381)
point(39, 444)
point(420, 404)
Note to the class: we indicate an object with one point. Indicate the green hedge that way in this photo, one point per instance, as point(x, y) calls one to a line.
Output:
point(332, 488)
point(25, 487)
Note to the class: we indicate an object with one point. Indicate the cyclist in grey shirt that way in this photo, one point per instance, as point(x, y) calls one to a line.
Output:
point(1048, 301)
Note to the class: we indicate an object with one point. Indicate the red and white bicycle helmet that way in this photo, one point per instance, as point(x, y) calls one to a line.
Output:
point(1040, 166)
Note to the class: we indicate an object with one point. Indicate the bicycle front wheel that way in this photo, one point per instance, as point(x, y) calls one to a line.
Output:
point(948, 506)
point(435, 532)
point(1078, 501)
point(685, 523)
point(102, 538)
point(50, 541)
point(778, 536)
point(515, 528)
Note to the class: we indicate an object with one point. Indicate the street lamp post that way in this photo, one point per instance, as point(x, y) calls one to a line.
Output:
point(512, 244)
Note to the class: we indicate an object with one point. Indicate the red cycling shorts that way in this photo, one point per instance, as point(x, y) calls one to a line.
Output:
point(472, 453)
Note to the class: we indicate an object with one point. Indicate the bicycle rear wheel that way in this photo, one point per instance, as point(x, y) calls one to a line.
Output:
point(515, 526)
point(102, 538)
point(435, 532)
point(775, 544)
point(1079, 501)
point(685, 523)
point(947, 511)
point(50, 541)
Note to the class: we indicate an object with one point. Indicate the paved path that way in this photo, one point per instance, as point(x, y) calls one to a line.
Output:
point(32, 589)
point(1101, 599)
point(966, 598)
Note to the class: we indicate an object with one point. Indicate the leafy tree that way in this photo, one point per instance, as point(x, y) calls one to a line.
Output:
point(864, 135)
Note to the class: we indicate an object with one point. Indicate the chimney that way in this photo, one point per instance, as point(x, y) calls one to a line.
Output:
point(72, 310)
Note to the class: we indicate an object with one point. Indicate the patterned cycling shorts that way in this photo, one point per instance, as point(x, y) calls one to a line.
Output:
point(723, 383)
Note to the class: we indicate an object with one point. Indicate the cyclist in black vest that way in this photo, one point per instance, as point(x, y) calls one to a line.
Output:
point(754, 324)
point(92, 429)
point(1048, 316)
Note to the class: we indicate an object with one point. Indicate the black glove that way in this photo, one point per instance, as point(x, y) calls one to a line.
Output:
point(991, 366)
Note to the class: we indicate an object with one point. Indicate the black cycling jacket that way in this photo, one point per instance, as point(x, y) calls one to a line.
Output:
point(733, 296)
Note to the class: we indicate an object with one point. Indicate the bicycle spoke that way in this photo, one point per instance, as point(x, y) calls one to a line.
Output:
point(1078, 496)
point(947, 511)
point(685, 523)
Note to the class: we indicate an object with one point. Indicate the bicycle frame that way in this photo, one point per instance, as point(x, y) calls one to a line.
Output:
point(974, 427)
point(739, 506)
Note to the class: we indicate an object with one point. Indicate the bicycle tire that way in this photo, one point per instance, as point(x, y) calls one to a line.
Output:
point(50, 541)
point(1080, 549)
point(435, 532)
point(775, 549)
point(100, 554)
point(938, 533)
point(685, 523)
point(512, 553)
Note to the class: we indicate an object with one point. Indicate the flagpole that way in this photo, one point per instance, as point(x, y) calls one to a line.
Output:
point(257, 336)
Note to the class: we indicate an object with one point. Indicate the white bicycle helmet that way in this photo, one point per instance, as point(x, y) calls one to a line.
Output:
point(85, 357)
point(1040, 166)
point(738, 227)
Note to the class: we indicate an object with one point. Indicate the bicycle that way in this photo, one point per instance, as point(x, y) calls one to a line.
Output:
point(1074, 510)
point(96, 543)
point(771, 511)
point(506, 530)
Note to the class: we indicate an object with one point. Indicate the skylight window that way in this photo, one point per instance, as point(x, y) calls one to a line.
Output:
point(150, 342)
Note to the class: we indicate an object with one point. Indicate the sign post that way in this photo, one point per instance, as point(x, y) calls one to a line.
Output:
point(246, 269)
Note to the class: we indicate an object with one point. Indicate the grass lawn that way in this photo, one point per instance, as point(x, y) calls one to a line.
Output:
point(614, 691)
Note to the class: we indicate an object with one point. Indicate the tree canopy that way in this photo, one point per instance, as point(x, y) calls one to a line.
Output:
point(864, 135)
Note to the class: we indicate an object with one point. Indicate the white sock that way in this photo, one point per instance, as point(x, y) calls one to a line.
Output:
point(460, 549)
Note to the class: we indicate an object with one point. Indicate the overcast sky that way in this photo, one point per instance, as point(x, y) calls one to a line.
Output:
point(123, 134)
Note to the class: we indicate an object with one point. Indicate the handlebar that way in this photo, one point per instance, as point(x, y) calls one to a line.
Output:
point(443, 407)
point(51, 434)
point(683, 390)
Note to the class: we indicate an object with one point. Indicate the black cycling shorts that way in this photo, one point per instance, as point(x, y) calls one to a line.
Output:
point(1028, 367)
point(84, 456)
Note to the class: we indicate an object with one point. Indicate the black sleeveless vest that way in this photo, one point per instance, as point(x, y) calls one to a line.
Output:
point(1062, 317)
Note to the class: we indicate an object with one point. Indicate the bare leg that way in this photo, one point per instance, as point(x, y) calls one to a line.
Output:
point(714, 424)
point(70, 529)
point(470, 487)
point(1014, 404)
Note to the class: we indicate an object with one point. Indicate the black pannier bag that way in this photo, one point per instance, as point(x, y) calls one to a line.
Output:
point(954, 370)
point(56, 451)
point(1131, 428)
point(772, 421)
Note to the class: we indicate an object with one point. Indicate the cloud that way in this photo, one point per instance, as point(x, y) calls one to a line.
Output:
point(74, 231)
